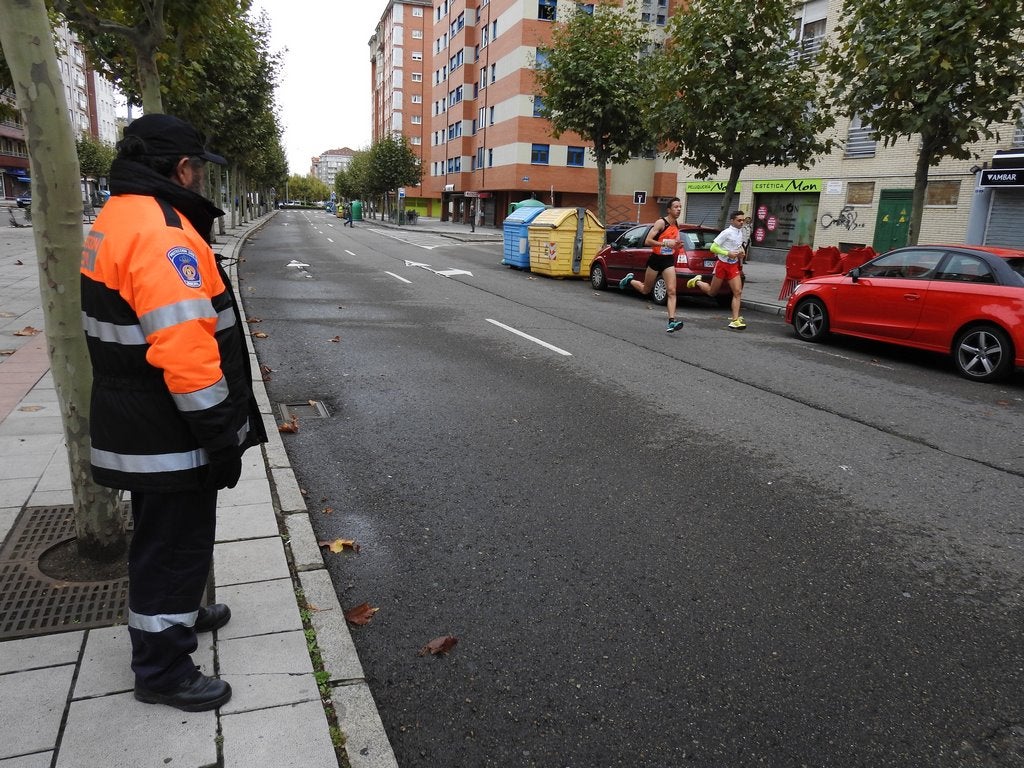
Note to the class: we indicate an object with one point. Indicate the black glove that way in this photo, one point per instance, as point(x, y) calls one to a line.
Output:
point(224, 468)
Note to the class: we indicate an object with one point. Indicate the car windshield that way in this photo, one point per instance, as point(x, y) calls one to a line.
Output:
point(699, 240)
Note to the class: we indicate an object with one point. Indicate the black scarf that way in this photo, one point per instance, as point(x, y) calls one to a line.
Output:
point(128, 177)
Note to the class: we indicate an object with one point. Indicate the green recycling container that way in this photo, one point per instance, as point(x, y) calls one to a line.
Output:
point(357, 210)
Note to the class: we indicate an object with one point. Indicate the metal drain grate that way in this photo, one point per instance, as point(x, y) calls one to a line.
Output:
point(311, 409)
point(32, 603)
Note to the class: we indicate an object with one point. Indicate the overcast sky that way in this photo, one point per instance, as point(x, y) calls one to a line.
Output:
point(323, 92)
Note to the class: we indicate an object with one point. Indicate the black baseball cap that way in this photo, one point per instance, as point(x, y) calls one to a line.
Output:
point(166, 135)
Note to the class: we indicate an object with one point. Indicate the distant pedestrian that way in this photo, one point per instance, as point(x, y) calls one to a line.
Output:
point(348, 216)
point(172, 406)
point(663, 239)
point(728, 247)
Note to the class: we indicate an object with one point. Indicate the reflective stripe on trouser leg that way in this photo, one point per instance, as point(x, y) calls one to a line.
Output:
point(168, 566)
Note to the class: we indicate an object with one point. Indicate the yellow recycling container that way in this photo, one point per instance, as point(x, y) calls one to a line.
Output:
point(564, 241)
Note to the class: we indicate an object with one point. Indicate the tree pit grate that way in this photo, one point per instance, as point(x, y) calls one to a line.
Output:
point(33, 603)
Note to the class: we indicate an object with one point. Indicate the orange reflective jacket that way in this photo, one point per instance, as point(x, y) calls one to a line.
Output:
point(171, 377)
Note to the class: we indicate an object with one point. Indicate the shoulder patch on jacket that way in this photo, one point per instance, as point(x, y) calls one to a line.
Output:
point(186, 265)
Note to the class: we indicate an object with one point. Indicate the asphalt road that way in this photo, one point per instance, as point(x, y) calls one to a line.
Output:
point(705, 548)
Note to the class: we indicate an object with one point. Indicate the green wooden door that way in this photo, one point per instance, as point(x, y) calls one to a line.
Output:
point(893, 223)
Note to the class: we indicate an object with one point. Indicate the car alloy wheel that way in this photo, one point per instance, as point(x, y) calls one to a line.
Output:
point(659, 293)
point(983, 353)
point(810, 320)
point(598, 279)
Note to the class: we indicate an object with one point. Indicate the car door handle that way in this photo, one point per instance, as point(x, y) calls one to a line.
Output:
point(911, 296)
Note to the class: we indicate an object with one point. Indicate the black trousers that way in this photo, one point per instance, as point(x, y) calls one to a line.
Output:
point(168, 567)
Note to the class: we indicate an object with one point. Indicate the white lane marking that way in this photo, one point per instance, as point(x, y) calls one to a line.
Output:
point(294, 263)
point(329, 240)
point(398, 277)
point(349, 252)
point(452, 272)
point(849, 359)
point(534, 339)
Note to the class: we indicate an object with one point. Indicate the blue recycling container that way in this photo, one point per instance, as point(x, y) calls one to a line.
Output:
point(516, 252)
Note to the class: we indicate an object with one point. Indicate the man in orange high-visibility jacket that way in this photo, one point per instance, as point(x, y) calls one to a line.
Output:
point(172, 404)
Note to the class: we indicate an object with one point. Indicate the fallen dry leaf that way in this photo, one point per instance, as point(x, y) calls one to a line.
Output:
point(439, 645)
point(328, 510)
point(19, 263)
point(340, 545)
point(266, 370)
point(28, 330)
point(361, 614)
point(336, 339)
point(31, 408)
point(254, 320)
point(260, 335)
point(289, 426)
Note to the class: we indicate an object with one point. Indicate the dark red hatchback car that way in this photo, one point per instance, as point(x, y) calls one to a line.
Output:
point(629, 254)
point(966, 301)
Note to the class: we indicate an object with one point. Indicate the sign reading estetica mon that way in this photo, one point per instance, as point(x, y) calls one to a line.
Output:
point(787, 185)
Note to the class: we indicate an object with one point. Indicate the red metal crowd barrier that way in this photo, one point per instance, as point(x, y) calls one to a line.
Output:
point(802, 262)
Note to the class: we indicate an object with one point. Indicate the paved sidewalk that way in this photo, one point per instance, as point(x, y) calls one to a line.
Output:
point(66, 698)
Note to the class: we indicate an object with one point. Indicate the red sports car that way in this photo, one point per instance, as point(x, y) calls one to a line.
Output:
point(629, 254)
point(962, 300)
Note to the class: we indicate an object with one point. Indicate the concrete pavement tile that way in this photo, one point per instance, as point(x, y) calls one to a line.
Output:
point(106, 662)
point(253, 465)
point(57, 474)
point(51, 498)
point(332, 634)
point(248, 491)
point(15, 492)
point(259, 609)
point(35, 652)
point(306, 552)
point(31, 445)
point(288, 494)
point(249, 521)
point(295, 736)
point(366, 742)
point(239, 562)
point(33, 705)
point(23, 465)
point(37, 760)
point(38, 423)
point(7, 517)
point(267, 671)
point(119, 732)
point(276, 454)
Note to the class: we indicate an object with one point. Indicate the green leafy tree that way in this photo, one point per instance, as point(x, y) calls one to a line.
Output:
point(942, 69)
point(353, 182)
point(308, 189)
point(736, 91)
point(597, 83)
point(57, 228)
point(94, 157)
point(391, 164)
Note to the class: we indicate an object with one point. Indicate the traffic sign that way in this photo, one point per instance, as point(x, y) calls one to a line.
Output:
point(401, 191)
point(640, 197)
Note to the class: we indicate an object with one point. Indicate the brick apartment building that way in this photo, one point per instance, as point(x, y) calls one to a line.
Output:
point(456, 78)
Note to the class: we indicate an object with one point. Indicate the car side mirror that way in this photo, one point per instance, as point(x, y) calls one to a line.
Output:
point(854, 273)
point(616, 246)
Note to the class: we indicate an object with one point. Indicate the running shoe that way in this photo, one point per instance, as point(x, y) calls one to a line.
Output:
point(673, 326)
point(737, 325)
point(692, 282)
point(624, 282)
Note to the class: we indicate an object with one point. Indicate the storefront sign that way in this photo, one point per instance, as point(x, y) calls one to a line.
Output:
point(697, 187)
point(787, 186)
point(1002, 177)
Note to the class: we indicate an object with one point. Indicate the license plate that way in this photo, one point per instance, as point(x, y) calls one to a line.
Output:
point(709, 263)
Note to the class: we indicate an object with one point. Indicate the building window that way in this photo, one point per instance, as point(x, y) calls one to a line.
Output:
point(454, 164)
point(860, 192)
point(494, 72)
point(574, 156)
point(415, 140)
point(538, 106)
point(539, 154)
point(416, 120)
point(417, 34)
point(858, 138)
point(490, 158)
point(417, 55)
point(546, 10)
point(586, 8)
point(417, 77)
point(494, 29)
point(417, 12)
point(480, 157)
point(942, 193)
point(490, 116)
point(417, 99)
point(540, 59)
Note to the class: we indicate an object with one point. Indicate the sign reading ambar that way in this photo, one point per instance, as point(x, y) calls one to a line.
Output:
point(1002, 177)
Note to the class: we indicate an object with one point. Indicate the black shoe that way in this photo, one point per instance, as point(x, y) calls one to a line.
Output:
point(196, 694)
point(212, 617)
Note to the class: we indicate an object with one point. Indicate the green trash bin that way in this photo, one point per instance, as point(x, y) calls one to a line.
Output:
point(357, 210)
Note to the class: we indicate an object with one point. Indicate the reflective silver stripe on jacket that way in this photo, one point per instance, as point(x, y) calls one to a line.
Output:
point(112, 332)
point(173, 314)
point(161, 621)
point(207, 397)
point(148, 463)
point(225, 318)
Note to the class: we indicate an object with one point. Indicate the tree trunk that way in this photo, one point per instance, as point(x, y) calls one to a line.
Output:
point(601, 157)
point(149, 81)
point(920, 185)
point(730, 193)
point(57, 227)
